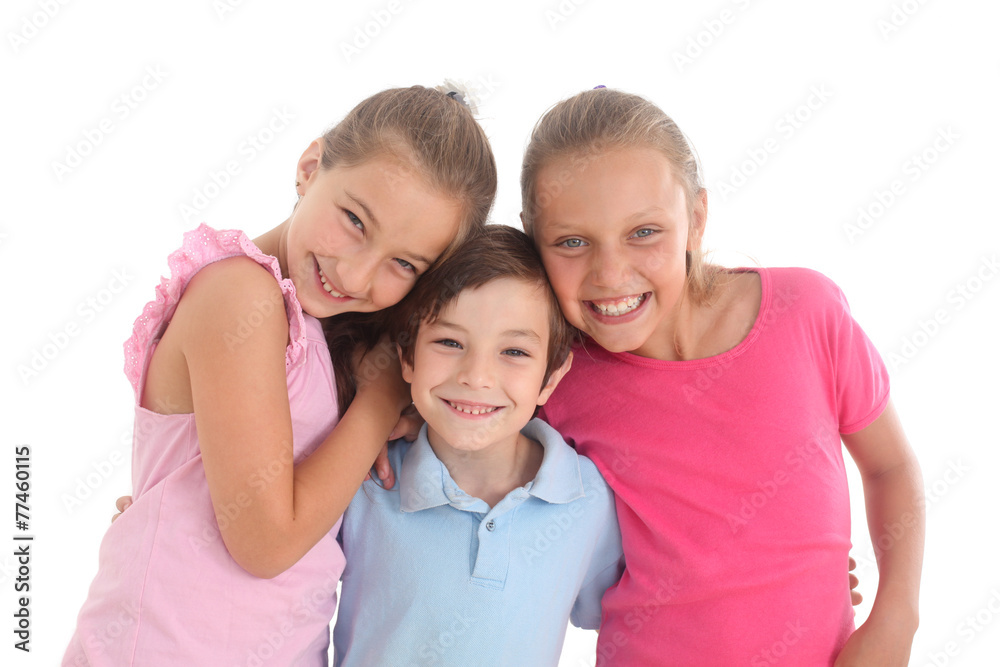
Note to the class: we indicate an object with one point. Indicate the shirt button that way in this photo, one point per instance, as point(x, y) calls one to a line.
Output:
point(490, 525)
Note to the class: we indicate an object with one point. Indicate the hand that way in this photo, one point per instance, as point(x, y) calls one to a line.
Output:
point(408, 428)
point(122, 504)
point(378, 370)
point(881, 642)
point(853, 581)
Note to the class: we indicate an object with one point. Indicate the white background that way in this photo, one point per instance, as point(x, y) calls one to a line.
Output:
point(887, 91)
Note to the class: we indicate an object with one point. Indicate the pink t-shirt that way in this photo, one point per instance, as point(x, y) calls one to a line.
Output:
point(167, 592)
point(730, 483)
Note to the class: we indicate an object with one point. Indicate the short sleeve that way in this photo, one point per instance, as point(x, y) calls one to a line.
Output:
point(607, 557)
point(862, 380)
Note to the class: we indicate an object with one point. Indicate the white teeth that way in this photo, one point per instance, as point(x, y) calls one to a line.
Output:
point(620, 307)
point(327, 286)
point(473, 411)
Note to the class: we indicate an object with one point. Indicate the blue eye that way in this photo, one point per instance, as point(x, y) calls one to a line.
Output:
point(645, 233)
point(514, 352)
point(355, 220)
point(448, 342)
point(406, 265)
point(572, 243)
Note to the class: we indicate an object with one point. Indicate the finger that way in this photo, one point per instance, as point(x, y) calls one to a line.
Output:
point(856, 598)
point(123, 503)
point(854, 580)
point(851, 563)
point(115, 517)
point(385, 473)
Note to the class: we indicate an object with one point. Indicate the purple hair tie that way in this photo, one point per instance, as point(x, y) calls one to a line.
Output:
point(600, 86)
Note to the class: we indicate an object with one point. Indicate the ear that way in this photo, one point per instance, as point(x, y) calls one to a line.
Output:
point(699, 216)
point(308, 166)
point(554, 379)
point(407, 368)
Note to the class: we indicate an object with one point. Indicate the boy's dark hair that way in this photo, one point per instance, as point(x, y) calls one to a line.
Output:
point(491, 253)
point(495, 252)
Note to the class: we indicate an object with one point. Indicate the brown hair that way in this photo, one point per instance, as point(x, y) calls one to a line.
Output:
point(439, 137)
point(597, 121)
point(435, 133)
point(496, 252)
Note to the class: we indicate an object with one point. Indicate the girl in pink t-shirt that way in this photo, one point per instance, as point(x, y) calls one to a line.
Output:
point(715, 402)
point(241, 469)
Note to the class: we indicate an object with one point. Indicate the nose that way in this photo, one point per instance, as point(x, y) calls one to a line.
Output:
point(357, 272)
point(610, 267)
point(476, 370)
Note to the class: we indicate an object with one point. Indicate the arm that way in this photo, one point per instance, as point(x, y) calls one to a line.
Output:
point(895, 509)
point(274, 513)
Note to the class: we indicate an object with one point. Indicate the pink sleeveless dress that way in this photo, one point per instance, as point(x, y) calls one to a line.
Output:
point(167, 592)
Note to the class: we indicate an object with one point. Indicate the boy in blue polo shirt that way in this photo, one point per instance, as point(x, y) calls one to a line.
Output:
point(497, 533)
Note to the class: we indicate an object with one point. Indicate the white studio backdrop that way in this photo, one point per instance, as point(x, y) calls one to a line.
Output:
point(856, 138)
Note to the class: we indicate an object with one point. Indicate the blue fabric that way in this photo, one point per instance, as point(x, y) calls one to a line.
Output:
point(436, 577)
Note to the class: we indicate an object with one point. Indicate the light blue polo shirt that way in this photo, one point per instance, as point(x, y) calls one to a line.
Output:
point(436, 577)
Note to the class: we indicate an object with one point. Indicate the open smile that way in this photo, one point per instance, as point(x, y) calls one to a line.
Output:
point(467, 409)
point(611, 309)
point(330, 288)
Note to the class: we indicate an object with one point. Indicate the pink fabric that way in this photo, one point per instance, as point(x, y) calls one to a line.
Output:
point(167, 592)
point(730, 483)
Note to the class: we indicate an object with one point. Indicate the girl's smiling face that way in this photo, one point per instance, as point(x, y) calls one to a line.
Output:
point(361, 235)
point(613, 241)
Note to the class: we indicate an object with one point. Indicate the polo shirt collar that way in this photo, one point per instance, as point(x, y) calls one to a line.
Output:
point(424, 482)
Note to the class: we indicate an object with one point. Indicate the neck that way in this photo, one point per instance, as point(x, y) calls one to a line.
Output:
point(494, 471)
point(274, 243)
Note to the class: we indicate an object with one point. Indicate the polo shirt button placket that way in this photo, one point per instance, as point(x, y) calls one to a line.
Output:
point(490, 525)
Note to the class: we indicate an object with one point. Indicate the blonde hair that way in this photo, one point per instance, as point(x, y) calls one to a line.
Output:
point(431, 130)
point(597, 121)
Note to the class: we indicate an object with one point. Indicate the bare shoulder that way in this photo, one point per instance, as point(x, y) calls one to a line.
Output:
point(223, 305)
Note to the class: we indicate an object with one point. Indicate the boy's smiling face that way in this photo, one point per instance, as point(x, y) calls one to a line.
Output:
point(478, 370)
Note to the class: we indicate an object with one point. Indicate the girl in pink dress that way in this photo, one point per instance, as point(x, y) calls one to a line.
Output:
point(714, 403)
point(242, 465)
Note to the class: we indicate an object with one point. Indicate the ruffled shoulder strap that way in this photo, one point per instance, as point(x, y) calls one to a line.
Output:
point(202, 247)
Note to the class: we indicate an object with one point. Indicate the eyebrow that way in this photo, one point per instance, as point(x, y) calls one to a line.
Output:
point(514, 333)
point(371, 217)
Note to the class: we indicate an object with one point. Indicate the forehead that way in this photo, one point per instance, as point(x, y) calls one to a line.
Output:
point(613, 185)
point(500, 307)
